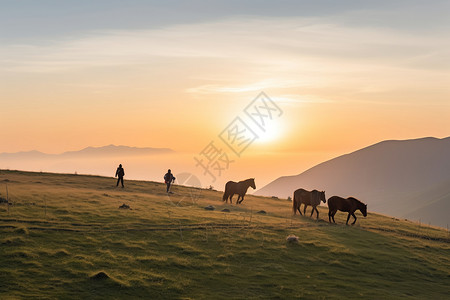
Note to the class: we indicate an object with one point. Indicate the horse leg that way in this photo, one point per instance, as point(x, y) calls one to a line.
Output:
point(353, 214)
point(348, 217)
point(242, 199)
point(231, 199)
point(304, 209)
point(312, 212)
point(298, 208)
point(332, 215)
point(329, 216)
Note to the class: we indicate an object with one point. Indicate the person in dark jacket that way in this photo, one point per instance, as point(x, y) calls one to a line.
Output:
point(120, 173)
point(169, 179)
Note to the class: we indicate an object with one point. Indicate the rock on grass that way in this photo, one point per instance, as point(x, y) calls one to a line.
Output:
point(292, 239)
point(21, 230)
point(99, 276)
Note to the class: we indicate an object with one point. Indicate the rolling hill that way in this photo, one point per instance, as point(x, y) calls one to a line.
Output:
point(91, 152)
point(65, 237)
point(408, 178)
point(139, 163)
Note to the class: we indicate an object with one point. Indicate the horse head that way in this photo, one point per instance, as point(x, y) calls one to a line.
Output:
point(363, 209)
point(359, 205)
point(322, 196)
point(252, 183)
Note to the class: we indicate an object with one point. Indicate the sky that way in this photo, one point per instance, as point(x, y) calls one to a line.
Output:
point(176, 74)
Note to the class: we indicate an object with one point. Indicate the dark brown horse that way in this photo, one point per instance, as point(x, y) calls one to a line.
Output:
point(312, 198)
point(349, 205)
point(239, 188)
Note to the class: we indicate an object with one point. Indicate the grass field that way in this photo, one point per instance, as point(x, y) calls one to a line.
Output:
point(65, 237)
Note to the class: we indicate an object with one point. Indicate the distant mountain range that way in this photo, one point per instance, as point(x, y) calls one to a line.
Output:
point(408, 178)
point(110, 150)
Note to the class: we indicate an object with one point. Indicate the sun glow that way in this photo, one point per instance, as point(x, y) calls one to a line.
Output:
point(273, 131)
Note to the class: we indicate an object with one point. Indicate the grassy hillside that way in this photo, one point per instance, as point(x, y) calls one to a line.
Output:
point(65, 237)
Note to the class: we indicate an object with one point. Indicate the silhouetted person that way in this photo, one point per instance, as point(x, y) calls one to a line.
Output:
point(120, 173)
point(169, 179)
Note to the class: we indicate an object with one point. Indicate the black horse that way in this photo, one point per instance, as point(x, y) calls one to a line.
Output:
point(239, 188)
point(349, 205)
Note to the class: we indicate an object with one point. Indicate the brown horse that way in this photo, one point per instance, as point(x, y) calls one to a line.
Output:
point(312, 198)
point(239, 188)
point(349, 205)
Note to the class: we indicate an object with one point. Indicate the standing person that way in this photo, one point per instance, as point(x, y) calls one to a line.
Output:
point(120, 172)
point(169, 179)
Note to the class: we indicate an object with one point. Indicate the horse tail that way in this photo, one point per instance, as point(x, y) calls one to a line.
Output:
point(225, 194)
point(294, 204)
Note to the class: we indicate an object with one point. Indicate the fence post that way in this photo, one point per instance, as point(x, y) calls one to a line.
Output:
point(7, 197)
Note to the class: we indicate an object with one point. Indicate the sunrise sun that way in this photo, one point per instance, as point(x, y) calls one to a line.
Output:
point(273, 131)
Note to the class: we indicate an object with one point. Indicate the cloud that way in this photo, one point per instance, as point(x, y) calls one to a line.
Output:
point(250, 87)
point(298, 99)
point(266, 41)
point(283, 56)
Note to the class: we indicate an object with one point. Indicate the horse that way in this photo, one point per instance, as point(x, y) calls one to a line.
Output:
point(239, 188)
point(312, 198)
point(349, 205)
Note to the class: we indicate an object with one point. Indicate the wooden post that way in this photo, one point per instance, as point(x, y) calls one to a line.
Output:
point(7, 197)
point(418, 231)
point(181, 232)
point(429, 230)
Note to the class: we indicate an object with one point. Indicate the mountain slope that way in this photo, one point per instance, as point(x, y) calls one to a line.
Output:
point(430, 205)
point(114, 150)
point(385, 175)
point(110, 150)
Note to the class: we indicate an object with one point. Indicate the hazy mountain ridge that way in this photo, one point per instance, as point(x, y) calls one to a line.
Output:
point(110, 150)
point(405, 178)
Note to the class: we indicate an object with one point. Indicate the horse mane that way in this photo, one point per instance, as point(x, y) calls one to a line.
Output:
point(354, 199)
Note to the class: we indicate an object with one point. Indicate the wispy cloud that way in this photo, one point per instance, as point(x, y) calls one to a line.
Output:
point(293, 56)
point(282, 43)
point(299, 99)
point(250, 87)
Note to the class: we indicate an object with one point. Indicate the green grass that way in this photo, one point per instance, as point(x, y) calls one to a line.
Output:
point(62, 230)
